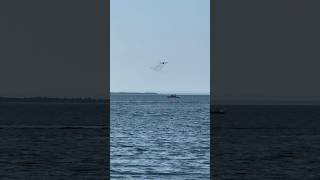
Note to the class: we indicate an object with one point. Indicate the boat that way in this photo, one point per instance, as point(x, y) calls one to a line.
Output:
point(173, 96)
point(218, 111)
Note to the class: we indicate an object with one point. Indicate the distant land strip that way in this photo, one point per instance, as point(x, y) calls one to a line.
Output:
point(52, 100)
point(134, 93)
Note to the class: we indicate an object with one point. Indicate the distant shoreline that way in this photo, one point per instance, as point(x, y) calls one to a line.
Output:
point(51, 100)
point(134, 93)
point(152, 93)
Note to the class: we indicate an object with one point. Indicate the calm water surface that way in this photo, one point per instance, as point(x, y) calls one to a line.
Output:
point(153, 137)
point(267, 142)
point(53, 141)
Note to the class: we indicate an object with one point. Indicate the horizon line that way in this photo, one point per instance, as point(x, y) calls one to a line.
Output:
point(155, 92)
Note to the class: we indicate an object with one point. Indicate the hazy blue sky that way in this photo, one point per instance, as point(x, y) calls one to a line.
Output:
point(145, 31)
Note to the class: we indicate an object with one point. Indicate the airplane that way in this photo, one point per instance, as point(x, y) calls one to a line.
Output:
point(159, 66)
point(164, 62)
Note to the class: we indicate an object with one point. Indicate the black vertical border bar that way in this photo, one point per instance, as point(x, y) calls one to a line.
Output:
point(108, 74)
point(216, 12)
point(104, 14)
point(212, 53)
point(107, 34)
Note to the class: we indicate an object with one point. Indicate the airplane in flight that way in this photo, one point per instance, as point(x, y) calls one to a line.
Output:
point(163, 62)
point(160, 66)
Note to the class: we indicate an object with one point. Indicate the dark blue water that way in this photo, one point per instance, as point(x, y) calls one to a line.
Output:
point(266, 142)
point(53, 141)
point(153, 137)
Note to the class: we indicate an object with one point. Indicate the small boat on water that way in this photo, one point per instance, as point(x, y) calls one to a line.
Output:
point(217, 111)
point(173, 96)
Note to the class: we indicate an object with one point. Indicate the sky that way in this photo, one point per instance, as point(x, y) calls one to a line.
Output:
point(267, 51)
point(53, 48)
point(143, 32)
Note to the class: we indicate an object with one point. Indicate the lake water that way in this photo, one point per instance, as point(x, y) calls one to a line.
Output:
point(154, 137)
point(266, 142)
point(53, 141)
